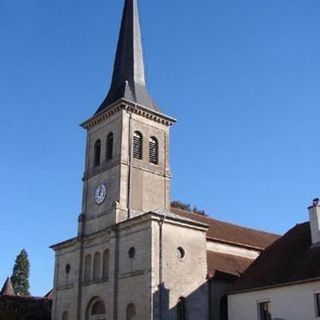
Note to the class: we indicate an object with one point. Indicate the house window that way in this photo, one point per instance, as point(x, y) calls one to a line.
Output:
point(137, 145)
point(181, 309)
point(109, 155)
point(264, 310)
point(153, 151)
point(97, 153)
point(317, 304)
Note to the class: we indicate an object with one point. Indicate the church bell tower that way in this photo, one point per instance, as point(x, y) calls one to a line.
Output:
point(123, 263)
point(127, 156)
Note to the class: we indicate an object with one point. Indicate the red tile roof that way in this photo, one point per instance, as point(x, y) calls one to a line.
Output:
point(290, 259)
point(231, 233)
point(49, 295)
point(226, 263)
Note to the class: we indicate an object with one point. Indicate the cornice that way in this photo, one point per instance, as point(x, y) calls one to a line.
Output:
point(154, 216)
point(64, 244)
point(124, 104)
point(105, 166)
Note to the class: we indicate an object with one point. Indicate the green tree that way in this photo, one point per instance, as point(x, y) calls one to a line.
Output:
point(186, 206)
point(180, 205)
point(20, 274)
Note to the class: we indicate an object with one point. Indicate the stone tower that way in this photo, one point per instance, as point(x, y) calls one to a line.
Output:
point(114, 268)
point(127, 142)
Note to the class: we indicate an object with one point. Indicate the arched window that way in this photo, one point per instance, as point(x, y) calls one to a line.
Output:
point(105, 264)
point(131, 312)
point(109, 155)
point(65, 315)
point(87, 267)
point(137, 145)
point(97, 266)
point(96, 310)
point(181, 309)
point(153, 150)
point(132, 252)
point(97, 153)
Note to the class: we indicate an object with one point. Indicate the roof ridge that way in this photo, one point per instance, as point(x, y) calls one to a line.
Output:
point(227, 222)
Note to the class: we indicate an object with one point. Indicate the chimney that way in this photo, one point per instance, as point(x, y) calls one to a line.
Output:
point(314, 216)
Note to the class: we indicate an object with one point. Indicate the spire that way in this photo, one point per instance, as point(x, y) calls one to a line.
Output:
point(7, 289)
point(128, 80)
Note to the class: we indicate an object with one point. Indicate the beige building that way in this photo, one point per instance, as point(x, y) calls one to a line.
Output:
point(284, 282)
point(135, 257)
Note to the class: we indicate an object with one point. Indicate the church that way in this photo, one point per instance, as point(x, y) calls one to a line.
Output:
point(135, 256)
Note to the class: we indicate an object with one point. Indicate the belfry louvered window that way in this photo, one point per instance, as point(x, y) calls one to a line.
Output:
point(97, 153)
point(110, 146)
point(137, 145)
point(153, 151)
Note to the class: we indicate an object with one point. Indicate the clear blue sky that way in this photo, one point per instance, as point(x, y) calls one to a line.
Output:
point(242, 78)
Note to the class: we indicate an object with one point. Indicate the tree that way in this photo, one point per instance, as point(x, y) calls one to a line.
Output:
point(20, 274)
point(186, 206)
point(180, 205)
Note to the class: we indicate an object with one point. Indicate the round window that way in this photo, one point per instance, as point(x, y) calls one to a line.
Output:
point(132, 252)
point(180, 253)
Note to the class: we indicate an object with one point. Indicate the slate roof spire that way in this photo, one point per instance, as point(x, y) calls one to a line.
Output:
point(128, 80)
point(7, 289)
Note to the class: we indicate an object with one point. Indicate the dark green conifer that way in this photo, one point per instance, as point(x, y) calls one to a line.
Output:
point(20, 274)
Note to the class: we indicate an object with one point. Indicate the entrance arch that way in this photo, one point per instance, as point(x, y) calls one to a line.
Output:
point(96, 310)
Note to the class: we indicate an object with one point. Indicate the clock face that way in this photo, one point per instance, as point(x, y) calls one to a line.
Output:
point(100, 194)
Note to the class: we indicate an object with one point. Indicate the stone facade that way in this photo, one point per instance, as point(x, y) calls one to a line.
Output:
point(129, 251)
point(132, 183)
point(152, 261)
